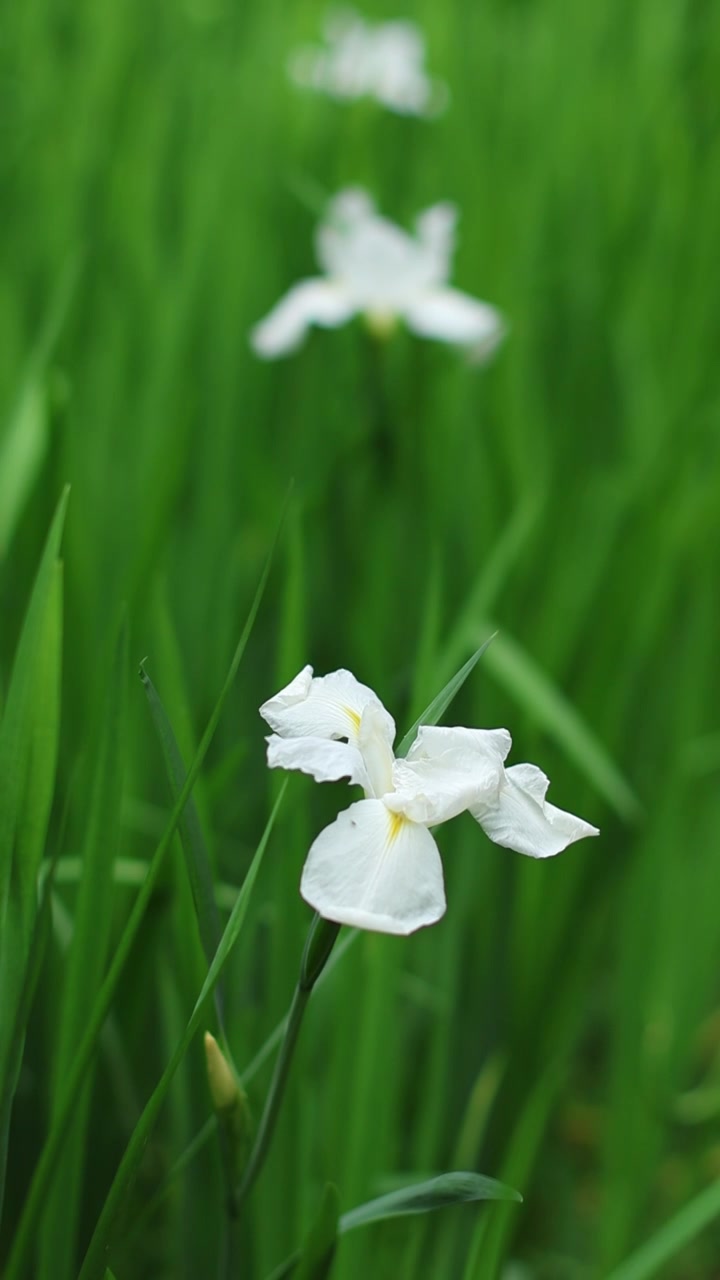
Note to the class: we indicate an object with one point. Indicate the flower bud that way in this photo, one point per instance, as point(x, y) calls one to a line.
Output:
point(233, 1115)
point(224, 1089)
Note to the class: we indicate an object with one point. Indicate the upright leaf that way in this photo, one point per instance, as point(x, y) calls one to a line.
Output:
point(92, 1267)
point(31, 831)
point(85, 967)
point(26, 435)
point(35, 1200)
point(27, 758)
point(197, 860)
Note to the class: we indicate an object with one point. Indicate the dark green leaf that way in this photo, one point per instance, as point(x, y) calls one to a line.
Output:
point(318, 1251)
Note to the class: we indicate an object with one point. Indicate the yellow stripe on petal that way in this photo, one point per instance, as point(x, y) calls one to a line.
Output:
point(397, 822)
point(353, 717)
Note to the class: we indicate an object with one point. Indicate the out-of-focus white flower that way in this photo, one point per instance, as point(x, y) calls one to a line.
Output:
point(374, 268)
point(382, 60)
point(377, 866)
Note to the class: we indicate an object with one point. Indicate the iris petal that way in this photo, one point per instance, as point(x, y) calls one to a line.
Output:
point(316, 301)
point(452, 316)
point(323, 759)
point(521, 818)
point(324, 707)
point(448, 771)
point(375, 870)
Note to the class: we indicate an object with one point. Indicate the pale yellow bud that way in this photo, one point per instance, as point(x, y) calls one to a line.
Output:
point(224, 1089)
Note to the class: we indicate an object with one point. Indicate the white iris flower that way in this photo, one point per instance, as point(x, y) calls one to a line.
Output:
point(381, 60)
point(377, 866)
point(374, 268)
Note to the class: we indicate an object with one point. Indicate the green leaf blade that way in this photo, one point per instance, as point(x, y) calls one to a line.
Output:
point(197, 861)
point(441, 702)
point(673, 1236)
point(425, 1197)
point(318, 1251)
point(37, 651)
point(86, 961)
point(92, 1267)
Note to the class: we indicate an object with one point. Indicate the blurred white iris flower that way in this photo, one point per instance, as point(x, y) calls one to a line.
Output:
point(377, 866)
point(376, 269)
point(382, 60)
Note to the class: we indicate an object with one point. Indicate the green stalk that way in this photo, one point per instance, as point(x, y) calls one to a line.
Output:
point(320, 942)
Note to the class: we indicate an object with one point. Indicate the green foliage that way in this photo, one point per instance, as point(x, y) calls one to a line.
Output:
point(28, 754)
point(161, 180)
point(318, 1251)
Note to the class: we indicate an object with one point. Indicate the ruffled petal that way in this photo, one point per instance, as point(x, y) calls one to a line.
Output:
point(325, 707)
point(522, 819)
point(316, 301)
point(448, 770)
point(452, 316)
point(433, 741)
point(374, 870)
point(323, 759)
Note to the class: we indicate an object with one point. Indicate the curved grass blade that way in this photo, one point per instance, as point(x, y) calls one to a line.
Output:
point(424, 1197)
point(95, 1257)
point(693, 1218)
point(441, 702)
point(35, 1200)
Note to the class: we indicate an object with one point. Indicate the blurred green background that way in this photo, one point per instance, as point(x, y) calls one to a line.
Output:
point(561, 1027)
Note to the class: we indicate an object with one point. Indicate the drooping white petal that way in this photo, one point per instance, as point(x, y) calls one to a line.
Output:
point(521, 818)
point(455, 317)
point(328, 706)
point(448, 770)
point(375, 870)
point(323, 759)
point(315, 301)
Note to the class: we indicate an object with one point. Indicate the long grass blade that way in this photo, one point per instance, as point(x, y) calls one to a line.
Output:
point(45, 1168)
point(95, 1256)
point(86, 962)
point(681, 1230)
point(197, 861)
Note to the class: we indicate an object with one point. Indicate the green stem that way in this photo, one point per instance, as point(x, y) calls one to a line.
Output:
point(320, 942)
